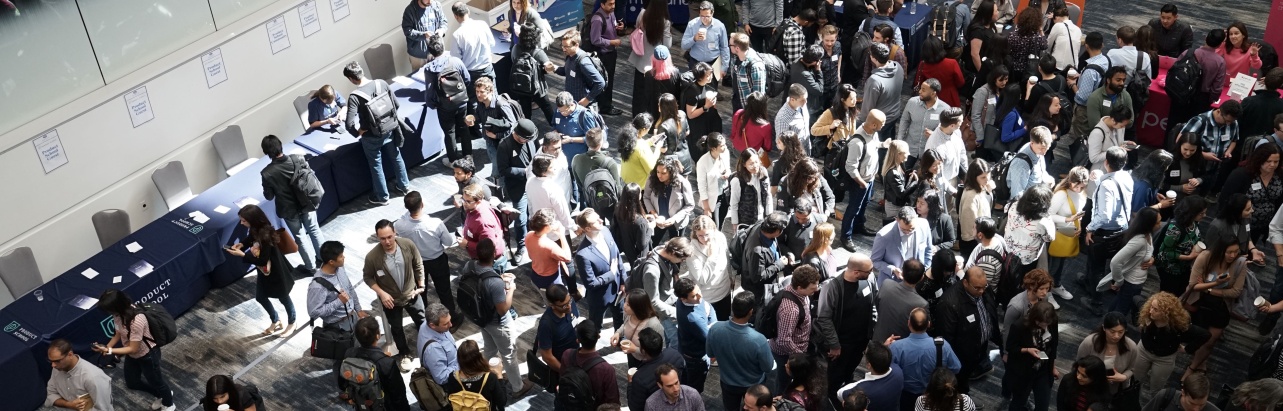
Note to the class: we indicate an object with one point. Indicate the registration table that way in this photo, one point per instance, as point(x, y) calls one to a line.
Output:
point(913, 29)
point(351, 168)
point(173, 261)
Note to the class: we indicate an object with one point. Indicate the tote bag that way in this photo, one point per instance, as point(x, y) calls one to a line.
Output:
point(1065, 246)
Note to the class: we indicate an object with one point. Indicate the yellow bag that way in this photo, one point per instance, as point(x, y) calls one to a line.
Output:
point(1065, 246)
point(465, 400)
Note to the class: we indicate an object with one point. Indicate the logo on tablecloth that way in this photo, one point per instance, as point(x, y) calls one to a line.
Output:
point(18, 331)
point(108, 327)
point(11, 327)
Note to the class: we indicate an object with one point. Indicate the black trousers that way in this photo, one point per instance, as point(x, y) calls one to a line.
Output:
point(395, 317)
point(456, 132)
point(438, 270)
point(545, 105)
point(842, 369)
point(606, 100)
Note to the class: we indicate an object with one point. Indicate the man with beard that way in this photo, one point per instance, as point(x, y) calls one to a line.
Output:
point(1109, 97)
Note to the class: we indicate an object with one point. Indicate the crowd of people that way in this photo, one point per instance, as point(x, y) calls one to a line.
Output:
point(709, 237)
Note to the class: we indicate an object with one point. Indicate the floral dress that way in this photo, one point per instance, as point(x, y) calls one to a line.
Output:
point(1265, 201)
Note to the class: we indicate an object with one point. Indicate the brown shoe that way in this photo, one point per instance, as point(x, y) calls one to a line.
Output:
point(526, 385)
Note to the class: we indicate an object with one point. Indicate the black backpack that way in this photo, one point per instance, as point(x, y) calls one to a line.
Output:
point(585, 31)
point(306, 187)
point(736, 248)
point(471, 296)
point(600, 187)
point(768, 320)
point(574, 389)
point(1138, 85)
point(382, 106)
point(1002, 193)
point(1100, 71)
point(835, 164)
point(775, 46)
point(597, 64)
point(527, 76)
point(941, 23)
point(452, 89)
point(1184, 78)
point(777, 74)
point(638, 271)
point(159, 322)
point(859, 53)
point(1007, 273)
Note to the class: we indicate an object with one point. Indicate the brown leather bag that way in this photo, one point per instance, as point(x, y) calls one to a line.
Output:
point(285, 242)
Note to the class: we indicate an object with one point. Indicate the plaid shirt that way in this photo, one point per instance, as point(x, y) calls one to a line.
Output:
point(1215, 137)
point(750, 75)
point(796, 340)
point(794, 41)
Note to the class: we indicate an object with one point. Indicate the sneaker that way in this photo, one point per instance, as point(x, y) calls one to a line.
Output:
point(157, 404)
point(1062, 293)
point(169, 408)
point(1053, 302)
point(379, 202)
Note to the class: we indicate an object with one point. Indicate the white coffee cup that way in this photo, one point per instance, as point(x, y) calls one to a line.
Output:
point(703, 32)
point(224, 407)
point(1033, 79)
point(1171, 193)
point(631, 371)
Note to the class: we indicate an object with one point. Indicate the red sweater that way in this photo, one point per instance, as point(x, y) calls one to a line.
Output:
point(949, 75)
point(757, 136)
point(482, 222)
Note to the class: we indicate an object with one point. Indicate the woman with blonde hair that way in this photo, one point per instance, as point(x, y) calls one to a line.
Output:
point(819, 252)
point(1164, 327)
point(896, 181)
point(1067, 204)
point(708, 263)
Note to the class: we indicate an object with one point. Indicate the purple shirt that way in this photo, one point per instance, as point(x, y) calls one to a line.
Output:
point(1213, 71)
point(602, 30)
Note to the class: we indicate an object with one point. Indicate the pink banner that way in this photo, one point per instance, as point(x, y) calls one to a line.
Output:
point(1274, 30)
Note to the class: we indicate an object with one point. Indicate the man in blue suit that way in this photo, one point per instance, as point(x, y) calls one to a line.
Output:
point(598, 263)
point(908, 237)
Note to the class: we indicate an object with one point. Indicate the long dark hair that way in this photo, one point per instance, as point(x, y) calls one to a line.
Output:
point(639, 301)
point(260, 228)
point(1153, 168)
point(942, 391)
point(117, 303)
point(1041, 311)
point(792, 151)
point(1242, 28)
point(754, 110)
point(630, 203)
point(741, 170)
point(929, 159)
point(655, 20)
point(1195, 161)
point(529, 37)
point(668, 111)
point(627, 140)
point(1035, 203)
point(1232, 210)
point(1187, 211)
point(219, 385)
point(995, 74)
point(1041, 114)
point(1094, 367)
point(674, 169)
point(1112, 319)
point(1010, 100)
point(471, 362)
point(807, 373)
point(983, 17)
point(800, 176)
point(977, 168)
point(1217, 256)
point(1029, 22)
point(997, 50)
point(840, 111)
point(1258, 158)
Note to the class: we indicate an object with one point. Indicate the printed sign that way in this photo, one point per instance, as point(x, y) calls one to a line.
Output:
point(277, 34)
point(49, 148)
point(215, 73)
point(339, 9)
point(311, 21)
point(139, 105)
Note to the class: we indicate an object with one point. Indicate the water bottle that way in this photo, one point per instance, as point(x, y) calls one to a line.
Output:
point(913, 7)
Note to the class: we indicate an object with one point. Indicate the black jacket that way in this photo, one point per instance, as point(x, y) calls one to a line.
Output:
point(646, 383)
point(761, 266)
point(1259, 111)
point(514, 158)
point(957, 320)
point(831, 314)
point(1020, 365)
point(277, 187)
point(389, 376)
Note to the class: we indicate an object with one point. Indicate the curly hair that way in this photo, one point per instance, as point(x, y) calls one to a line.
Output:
point(1037, 278)
point(803, 178)
point(1177, 317)
point(1029, 22)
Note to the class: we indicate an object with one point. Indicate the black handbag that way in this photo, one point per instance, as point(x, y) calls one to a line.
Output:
point(331, 342)
point(1127, 399)
point(540, 373)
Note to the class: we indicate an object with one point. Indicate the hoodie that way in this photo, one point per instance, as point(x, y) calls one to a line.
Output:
point(432, 71)
point(882, 90)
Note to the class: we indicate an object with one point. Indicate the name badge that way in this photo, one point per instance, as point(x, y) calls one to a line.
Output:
point(556, 120)
point(939, 293)
point(834, 58)
point(712, 46)
point(992, 101)
point(971, 318)
point(1256, 186)
point(934, 117)
point(1247, 227)
point(1106, 103)
point(866, 291)
point(572, 73)
point(381, 273)
point(1175, 173)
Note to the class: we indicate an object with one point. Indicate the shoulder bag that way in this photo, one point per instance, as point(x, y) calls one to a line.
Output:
point(1065, 246)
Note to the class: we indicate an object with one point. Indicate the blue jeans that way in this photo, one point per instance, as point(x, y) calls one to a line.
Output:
point(264, 300)
point(306, 222)
point(670, 333)
point(518, 230)
point(857, 200)
point(1123, 301)
point(376, 149)
point(148, 367)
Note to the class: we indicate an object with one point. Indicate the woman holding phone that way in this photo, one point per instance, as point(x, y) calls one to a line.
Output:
point(1110, 344)
point(1215, 281)
point(1031, 357)
point(275, 274)
point(1179, 243)
point(325, 109)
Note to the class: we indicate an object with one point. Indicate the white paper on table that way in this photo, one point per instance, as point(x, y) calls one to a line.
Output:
point(222, 209)
point(133, 247)
point(247, 200)
point(141, 268)
point(90, 273)
point(198, 216)
point(329, 147)
point(84, 302)
point(1241, 86)
point(116, 279)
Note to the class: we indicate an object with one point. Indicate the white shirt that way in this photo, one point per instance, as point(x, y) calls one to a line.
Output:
point(1060, 210)
point(710, 270)
point(1065, 41)
point(1126, 56)
point(430, 234)
point(472, 44)
point(953, 156)
point(708, 176)
point(544, 192)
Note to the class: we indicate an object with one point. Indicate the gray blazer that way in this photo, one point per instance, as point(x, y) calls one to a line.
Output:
point(1123, 363)
point(680, 203)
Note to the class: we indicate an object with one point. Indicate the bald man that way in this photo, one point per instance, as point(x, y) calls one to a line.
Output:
point(967, 317)
point(845, 319)
point(862, 167)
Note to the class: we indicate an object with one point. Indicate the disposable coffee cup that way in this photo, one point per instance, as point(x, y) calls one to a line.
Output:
point(1260, 301)
point(1033, 79)
point(494, 362)
point(224, 407)
point(703, 31)
point(496, 366)
point(626, 344)
point(471, 118)
point(710, 94)
point(631, 371)
point(1171, 193)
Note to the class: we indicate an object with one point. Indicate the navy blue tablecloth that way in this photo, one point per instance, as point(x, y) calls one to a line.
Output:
point(913, 27)
point(18, 372)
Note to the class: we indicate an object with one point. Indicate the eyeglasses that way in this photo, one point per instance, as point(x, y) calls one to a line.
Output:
point(53, 361)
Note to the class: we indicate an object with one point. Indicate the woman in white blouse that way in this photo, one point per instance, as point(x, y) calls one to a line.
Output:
point(1129, 268)
point(1029, 230)
point(707, 265)
point(712, 172)
point(977, 202)
point(1067, 213)
point(1064, 41)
